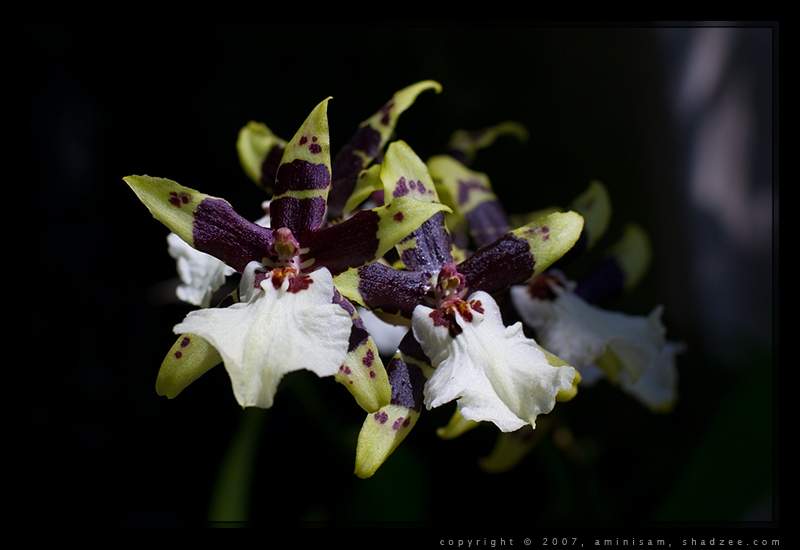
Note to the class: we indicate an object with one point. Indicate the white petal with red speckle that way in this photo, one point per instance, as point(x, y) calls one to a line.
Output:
point(495, 372)
point(273, 332)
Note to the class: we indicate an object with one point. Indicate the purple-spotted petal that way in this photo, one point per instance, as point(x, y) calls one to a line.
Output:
point(304, 176)
point(522, 253)
point(362, 371)
point(471, 196)
point(384, 430)
point(274, 331)
point(206, 223)
point(495, 372)
point(366, 236)
point(367, 143)
point(189, 358)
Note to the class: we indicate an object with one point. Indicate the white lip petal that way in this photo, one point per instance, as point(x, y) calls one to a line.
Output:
point(580, 333)
point(495, 372)
point(275, 332)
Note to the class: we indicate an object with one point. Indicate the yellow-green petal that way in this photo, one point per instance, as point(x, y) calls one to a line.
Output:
point(633, 254)
point(550, 237)
point(189, 358)
point(380, 435)
point(510, 448)
point(255, 142)
point(468, 142)
point(367, 183)
point(169, 202)
point(363, 373)
point(594, 205)
point(385, 120)
point(457, 426)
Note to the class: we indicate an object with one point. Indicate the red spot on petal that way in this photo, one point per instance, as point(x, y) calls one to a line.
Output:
point(177, 199)
point(398, 217)
point(178, 355)
point(368, 359)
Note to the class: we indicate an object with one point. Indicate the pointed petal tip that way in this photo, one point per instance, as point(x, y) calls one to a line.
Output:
point(189, 358)
point(380, 435)
point(551, 236)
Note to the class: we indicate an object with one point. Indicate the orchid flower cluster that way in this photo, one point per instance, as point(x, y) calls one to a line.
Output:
point(377, 239)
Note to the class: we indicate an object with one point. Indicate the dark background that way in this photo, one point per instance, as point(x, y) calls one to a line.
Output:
point(678, 121)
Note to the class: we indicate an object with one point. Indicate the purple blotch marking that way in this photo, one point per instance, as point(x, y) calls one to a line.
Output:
point(465, 188)
point(177, 199)
point(398, 217)
point(507, 261)
point(407, 382)
point(487, 222)
point(401, 188)
point(397, 423)
point(300, 175)
point(178, 355)
point(372, 374)
point(369, 358)
point(315, 147)
point(387, 110)
point(406, 422)
point(381, 417)
point(221, 232)
point(186, 341)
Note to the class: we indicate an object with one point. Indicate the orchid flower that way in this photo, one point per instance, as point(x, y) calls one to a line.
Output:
point(565, 323)
point(289, 316)
point(478, 210)
point(628, 350)
point(458, 341)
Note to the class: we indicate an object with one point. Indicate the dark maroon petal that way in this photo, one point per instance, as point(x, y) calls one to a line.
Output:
point(349, 244)
point(358, 332)
point(427, 248)
point(354, 157)
point(407, 383)
point(290, 208)
point(488, 222)
point(301, 216)
point(391, 290)
point(301, 175)
point(507, 261)
point(406, 377)
point(223, 233)
point(269, 168)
